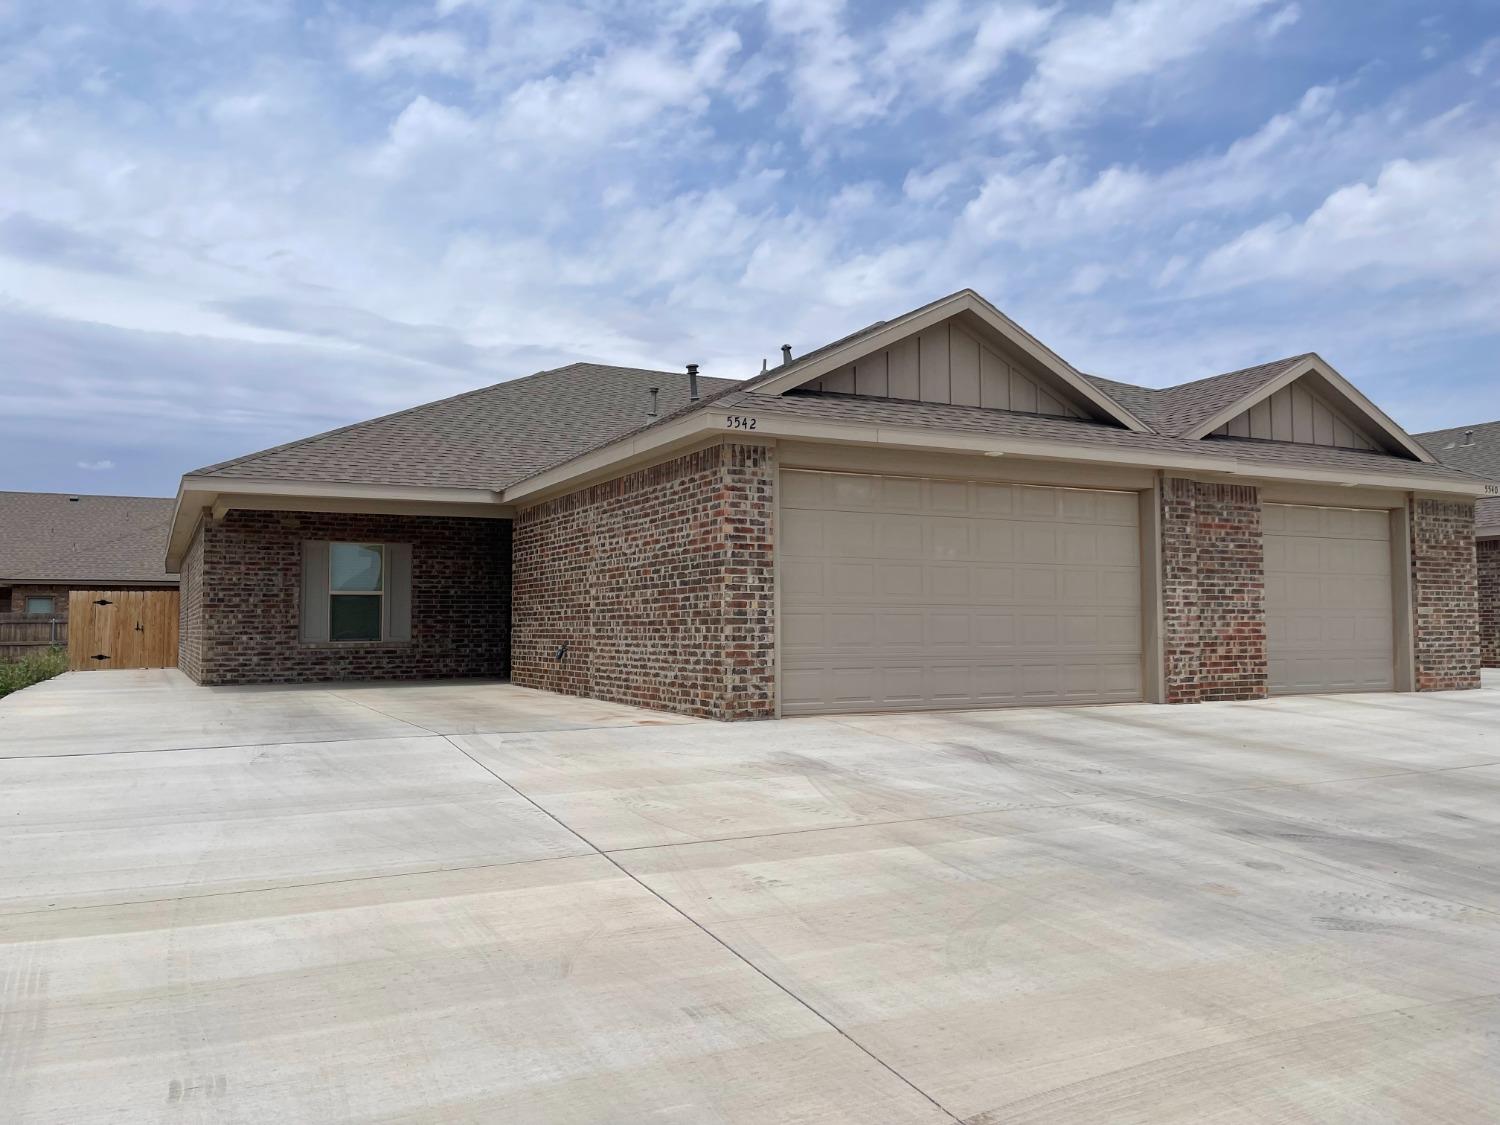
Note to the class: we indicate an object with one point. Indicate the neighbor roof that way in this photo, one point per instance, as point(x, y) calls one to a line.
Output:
point(1479, 455)
point(486, 438)
point(63, 538)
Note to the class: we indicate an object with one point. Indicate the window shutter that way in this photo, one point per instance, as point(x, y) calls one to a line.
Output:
point(315, 590)
point(398, 591)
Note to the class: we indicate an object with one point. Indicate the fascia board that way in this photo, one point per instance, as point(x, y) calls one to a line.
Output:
point(771, 426)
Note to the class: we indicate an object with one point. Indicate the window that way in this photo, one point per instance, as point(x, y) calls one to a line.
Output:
point(40, 605)
point(356, 591)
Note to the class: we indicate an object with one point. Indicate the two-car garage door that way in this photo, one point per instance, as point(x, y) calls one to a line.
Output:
point(908, 593)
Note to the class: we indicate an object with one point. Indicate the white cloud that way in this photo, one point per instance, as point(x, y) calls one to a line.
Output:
point(421, 128)
point(1437, 218)
point(1088, 57)
point(440, 51)
point(1280, 20)
point(95, 466)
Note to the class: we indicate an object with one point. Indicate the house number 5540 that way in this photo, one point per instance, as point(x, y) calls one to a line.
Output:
point(739, 422)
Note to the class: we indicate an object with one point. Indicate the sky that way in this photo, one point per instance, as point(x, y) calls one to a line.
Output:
point(226, 224)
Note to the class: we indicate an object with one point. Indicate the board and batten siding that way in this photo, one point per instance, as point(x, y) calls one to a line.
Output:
point(946, 364)
point(1296, 413)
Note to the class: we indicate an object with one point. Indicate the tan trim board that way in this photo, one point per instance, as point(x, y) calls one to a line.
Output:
point(250, 486)
point(276, 503)
point(655, 445)
point(1402, 609)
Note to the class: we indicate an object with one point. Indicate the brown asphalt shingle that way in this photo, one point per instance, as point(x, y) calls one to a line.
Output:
point(486, 438)
point(50, 537)
point(1176, 410)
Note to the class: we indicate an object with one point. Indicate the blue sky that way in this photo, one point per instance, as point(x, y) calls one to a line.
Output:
point(229, 223)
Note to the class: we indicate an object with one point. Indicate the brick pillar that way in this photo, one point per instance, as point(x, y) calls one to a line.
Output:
point(1488, 554)
point(1213, 592)
point(1445, 595)
point(749, 583)
point(661, 585)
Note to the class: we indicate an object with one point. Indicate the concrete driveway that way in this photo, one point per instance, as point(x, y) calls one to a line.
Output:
point(474, 902)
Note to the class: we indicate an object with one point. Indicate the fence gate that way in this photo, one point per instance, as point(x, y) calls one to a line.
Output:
point(122, 629)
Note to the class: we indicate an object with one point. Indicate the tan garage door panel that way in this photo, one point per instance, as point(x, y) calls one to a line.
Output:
point(1329, 611)
point(904, 593)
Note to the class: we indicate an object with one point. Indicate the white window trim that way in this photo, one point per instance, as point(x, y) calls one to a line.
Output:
point(380, 593)
point(49, 599)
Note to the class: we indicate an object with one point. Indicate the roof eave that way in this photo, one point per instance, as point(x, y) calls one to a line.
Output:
point(695, 428)
point(196, 493)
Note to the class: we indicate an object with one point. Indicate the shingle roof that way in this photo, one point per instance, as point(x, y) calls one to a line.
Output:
point(1176, 410)
point(1479, 454)
point(1077, 431)
point(486, 438)
point(59, 537)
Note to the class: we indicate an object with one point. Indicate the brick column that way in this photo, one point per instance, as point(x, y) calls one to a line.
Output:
point(1488, 554)
point(1213, 592)
point(1445, 595)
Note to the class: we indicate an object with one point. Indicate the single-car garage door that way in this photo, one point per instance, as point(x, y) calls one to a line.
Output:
point(908, 593)
point(1328, 599)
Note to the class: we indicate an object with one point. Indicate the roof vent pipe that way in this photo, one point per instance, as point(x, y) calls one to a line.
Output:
point(786, 353)
point(692, 382)
point(653, 391)
point(1468, 438)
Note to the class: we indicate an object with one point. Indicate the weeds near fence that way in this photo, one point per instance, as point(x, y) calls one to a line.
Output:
point(31, 670)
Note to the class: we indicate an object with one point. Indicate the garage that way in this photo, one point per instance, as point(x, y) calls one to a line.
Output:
point(914, 593)
point(1329, 599)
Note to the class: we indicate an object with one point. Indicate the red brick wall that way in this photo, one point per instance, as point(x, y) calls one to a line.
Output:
point(1213, 592)
point(1488, 552)
point(660, 584)
point(243, 623)
point(1445, 600)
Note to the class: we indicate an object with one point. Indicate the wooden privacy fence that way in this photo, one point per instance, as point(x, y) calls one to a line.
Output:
point(122, 629)
point(27, 634)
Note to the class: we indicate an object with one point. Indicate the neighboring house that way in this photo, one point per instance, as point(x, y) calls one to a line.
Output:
point(54, 542)
point(935, 512)
point(1477, 449)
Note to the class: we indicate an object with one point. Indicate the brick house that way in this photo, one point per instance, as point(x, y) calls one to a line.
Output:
point(937, 511)
point(1476, 449)
point(52, 543)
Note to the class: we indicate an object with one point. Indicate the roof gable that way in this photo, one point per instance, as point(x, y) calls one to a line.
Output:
point(1299, 413)
point(981, 328)
point(1326, 387)
point(955, 362)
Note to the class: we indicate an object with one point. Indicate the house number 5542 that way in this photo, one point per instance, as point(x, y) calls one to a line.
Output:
point(739, 422)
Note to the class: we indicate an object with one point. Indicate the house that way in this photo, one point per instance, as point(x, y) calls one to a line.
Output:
point(54, 542)
point(937, 511)
point(1476, 449)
